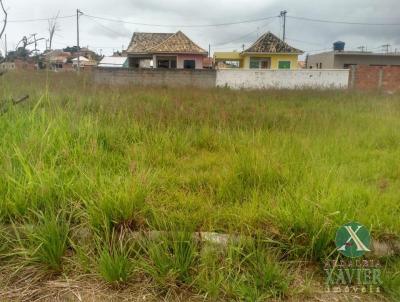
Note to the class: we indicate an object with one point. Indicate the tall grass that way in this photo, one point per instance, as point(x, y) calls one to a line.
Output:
point(290, 165)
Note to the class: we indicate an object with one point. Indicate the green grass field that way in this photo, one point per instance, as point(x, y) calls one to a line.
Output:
point(83, 167)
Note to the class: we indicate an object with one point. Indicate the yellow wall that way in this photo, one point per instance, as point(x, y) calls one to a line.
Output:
point(245, 58)
point(227, 56)
point(275, 58)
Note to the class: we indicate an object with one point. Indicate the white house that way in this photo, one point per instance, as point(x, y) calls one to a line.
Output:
point(83, 61)
point(114, 62)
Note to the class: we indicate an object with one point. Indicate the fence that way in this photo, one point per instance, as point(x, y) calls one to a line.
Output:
point(359, 77)
point(283, 79)
point(155, 77)
point(386, 78)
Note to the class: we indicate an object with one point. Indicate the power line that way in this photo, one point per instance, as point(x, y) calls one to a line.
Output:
point(39, 19)
point(342, 22)
point(315, 50)
point(244, 36)
point(210, 25)
point(305, 42)
point(106, 28)
point(182, 25)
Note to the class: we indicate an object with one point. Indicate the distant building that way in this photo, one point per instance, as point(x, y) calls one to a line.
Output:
point(268, 52)
point(7, 66)
point(301, 64)
point(339, 58)
point(26, 64)
point(164, 50)
point(208, 63)
point(83, 62)
point(57, 60)
point(114, 62)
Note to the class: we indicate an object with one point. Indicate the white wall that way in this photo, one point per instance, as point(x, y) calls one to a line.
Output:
point(282, 79)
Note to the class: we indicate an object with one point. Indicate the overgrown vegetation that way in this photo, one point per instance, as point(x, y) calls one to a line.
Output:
point(85, 169)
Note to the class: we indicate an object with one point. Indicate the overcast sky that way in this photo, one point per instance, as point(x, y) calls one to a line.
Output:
point(105, 36)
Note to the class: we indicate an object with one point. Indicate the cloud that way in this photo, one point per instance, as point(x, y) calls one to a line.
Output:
point(304, 35)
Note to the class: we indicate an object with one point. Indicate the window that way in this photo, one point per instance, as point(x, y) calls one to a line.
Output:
point(173, 63)
point(189, 64)
point(284, 65)
point(163, 63)
point(254, 64)
point(166, 62)
point(260, 63)
point(134, 62)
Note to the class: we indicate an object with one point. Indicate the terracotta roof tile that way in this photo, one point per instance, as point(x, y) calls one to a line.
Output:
point(163, 43)
point(141, 42)
point(269, 43)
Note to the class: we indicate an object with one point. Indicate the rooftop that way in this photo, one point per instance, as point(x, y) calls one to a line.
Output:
point(269, 43)
point(359, 53)
point(163, 43)
point(113, 61)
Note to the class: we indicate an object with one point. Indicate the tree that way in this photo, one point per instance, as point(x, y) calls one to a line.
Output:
point(19, 53)
point(71, 49)
point(5, 19)
point(53, 27)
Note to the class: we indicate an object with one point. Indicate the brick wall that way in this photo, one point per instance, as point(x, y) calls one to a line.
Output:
point(364, 77)
point(155, 77)
point(24, 65)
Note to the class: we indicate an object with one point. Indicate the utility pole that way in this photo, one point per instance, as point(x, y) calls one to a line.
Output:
point(78, 13)
point(209, 50)
point(5, 41)
point(283, 14)
point(386, 47)
point(34, 39)
point(362, 48)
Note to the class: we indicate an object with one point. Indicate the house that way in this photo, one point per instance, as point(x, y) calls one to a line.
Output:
point(25, 64)
point(83, 62)
point(301, 64)
point(208, 63)
point(87, 53)
point(7, 66)
point(339, 58)
point(114, 62)
point(164, 50)
point(268, 52)
point(56, 60)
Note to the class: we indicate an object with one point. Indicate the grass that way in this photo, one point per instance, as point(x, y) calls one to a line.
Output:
point(115, 263)
point(288, 167)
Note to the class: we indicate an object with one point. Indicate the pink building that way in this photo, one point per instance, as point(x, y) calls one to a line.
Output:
point(164, 50)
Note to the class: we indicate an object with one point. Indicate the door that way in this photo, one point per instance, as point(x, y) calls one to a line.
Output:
point(189, 64)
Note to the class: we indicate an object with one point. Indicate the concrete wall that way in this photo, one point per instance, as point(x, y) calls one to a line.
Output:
point(282, 79)
point(337, 60)
point(233, 78)
point(363, 59)
point(155, 77)
point(326, 59)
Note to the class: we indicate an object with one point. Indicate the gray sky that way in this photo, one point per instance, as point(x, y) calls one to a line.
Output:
point(308, 36)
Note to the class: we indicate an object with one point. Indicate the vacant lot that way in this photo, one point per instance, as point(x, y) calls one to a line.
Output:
point(87, 171)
